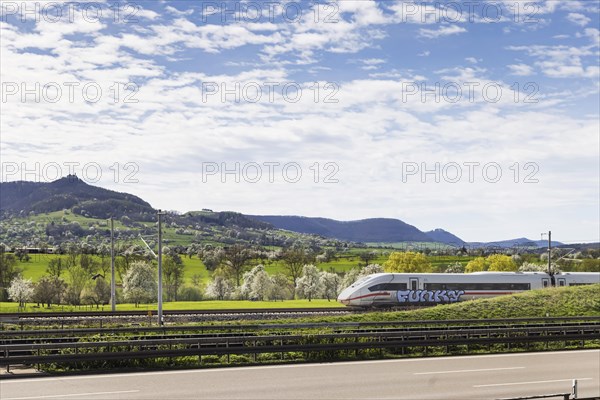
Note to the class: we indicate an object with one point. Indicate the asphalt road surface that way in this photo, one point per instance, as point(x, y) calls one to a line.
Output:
point(466, 377)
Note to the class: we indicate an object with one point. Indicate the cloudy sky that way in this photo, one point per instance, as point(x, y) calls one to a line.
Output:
point(478, 117)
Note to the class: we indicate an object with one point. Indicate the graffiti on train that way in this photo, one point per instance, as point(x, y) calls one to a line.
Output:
point(429, 296)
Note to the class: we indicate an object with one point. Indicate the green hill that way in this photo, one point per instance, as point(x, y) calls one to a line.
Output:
point(555, 302)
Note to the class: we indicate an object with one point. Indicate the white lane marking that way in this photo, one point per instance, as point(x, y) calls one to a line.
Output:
point(531, 383)
point(466, 370)
point(334, 364)
point(71, 395)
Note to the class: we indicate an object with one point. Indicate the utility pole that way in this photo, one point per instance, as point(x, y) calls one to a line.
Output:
point(549, 253)
point(160, 310)
point(113, 291)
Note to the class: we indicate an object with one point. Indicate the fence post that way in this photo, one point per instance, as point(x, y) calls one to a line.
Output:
point(574, 388)
point(7, 365)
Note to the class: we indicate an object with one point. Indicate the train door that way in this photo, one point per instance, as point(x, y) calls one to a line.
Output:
point(413, 283)
point(545, 282)
point(561, 282)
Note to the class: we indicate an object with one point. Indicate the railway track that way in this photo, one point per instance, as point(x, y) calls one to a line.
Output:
point(255, 313)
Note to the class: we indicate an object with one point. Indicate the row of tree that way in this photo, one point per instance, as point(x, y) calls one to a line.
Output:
point(140, 286)
point(80, 278)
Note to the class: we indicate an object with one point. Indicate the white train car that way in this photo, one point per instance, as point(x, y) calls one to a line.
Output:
point(385, 289)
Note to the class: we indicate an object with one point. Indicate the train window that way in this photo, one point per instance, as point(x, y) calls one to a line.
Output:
point(435, 286)
point(387, 286)
point(561, 283)
point(545, 283)
point(394, 286)
point(477, 286)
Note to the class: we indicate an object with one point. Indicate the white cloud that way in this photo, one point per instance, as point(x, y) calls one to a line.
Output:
point(561, 61)
point(521, 69)
point(578, 19)
point(179, 13)
point(446, 30)
point(373, 61)
point(369, 132)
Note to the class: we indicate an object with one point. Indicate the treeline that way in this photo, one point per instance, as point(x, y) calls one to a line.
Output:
point(236, 272)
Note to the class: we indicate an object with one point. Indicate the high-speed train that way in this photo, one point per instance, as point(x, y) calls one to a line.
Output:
point(386, 289)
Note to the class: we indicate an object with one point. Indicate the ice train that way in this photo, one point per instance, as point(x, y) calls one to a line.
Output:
point(388, 290)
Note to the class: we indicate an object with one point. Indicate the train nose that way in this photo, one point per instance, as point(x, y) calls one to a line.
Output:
point(343, 301)
point(345, 296)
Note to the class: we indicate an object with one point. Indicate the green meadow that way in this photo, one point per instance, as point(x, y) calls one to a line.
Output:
point(7, 307)
point(36, 267)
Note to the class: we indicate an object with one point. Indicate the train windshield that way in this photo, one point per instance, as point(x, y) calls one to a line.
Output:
point(362, 280)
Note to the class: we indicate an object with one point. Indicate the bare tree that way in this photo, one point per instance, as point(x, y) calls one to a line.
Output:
point(236, 261)
point(48, 290)
point(294, 260)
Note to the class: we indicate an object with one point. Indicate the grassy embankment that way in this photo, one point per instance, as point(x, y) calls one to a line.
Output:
point(555, 302)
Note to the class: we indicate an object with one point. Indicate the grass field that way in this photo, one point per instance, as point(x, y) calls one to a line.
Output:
point(6, 307)
point(36, 267)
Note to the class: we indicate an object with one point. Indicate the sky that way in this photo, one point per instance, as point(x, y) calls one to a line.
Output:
point(478, 117)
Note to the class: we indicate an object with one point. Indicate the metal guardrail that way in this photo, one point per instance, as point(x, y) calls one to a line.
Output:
point(197, 331)
point(565, 396)
point(148, 347)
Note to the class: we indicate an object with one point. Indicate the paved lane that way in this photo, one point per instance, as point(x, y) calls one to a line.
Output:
point(467, 377)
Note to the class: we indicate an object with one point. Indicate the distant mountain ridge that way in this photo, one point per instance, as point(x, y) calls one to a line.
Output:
point(22, 198)
point(442, 236)
point(366, 230)
point(519, 242)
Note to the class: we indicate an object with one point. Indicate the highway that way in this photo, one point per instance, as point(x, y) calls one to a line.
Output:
point(466, 377)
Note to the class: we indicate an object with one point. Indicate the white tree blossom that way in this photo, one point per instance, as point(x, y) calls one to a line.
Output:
point(246, 287)
point(258, 285)
point(309, 285)
point(262, 285)
point(531, 267)
point(139, 283)
point(219, 289)
point(20, 290)
point(456, 268)
point(331, 285)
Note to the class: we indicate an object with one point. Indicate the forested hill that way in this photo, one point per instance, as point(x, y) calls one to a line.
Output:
point(366, 230)
point(69, 192)
point(21, 199)
point(442, 236)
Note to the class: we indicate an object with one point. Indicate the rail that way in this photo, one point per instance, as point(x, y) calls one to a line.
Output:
point(90, 314)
